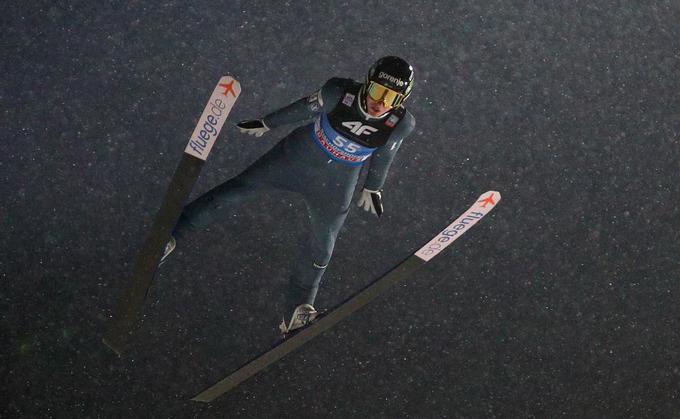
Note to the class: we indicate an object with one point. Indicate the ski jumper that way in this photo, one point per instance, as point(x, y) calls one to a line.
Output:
point(320, 161)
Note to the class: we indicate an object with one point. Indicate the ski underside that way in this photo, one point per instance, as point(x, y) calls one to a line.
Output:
point(126, 308)
point(484, 204)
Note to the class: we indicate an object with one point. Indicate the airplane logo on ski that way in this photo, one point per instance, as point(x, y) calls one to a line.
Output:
point(228, 88)
point(487, 201)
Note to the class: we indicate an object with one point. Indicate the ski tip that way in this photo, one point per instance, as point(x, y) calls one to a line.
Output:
point(496, 195)
point(229, 86)
point(489, 198)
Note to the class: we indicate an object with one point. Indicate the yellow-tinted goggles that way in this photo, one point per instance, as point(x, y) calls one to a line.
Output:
point(380, 93)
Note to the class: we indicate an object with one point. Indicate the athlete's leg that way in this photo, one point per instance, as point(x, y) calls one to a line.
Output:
point(265, 174)
point(325, 224)
point(202, 211)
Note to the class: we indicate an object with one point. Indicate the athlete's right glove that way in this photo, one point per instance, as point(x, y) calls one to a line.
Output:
point(254, 127)
point(371, 201)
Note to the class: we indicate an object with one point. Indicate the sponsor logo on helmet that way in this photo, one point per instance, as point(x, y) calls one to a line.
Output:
point(397, 81)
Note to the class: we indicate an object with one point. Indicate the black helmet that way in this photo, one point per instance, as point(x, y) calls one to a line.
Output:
point(393, 73)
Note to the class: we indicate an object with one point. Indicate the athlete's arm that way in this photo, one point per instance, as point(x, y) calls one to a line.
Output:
point(382, 158)
point(308, 107)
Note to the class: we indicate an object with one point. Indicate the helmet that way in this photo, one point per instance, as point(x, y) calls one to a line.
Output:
point(389, 80)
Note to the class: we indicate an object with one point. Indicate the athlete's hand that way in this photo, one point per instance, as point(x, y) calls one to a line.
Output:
point(254, 127)
point(371, 201)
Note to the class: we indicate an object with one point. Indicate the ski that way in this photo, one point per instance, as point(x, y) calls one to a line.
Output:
point(484, 204)
point(126, 308)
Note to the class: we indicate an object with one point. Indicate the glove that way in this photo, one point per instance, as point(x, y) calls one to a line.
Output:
point(254, 127)
point(371, 201)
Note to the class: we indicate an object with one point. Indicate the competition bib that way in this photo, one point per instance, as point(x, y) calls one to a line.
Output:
point(338, 147)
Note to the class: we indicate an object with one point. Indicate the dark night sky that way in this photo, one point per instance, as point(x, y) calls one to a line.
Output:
point(561, 303)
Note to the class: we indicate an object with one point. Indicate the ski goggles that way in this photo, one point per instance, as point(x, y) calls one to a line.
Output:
point(380, 93)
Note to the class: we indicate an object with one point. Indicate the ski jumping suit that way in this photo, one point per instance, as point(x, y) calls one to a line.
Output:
point(320, 161)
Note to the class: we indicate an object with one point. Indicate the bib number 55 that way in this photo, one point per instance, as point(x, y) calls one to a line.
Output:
point(346, 145)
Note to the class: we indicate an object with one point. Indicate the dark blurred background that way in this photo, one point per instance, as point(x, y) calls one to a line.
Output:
point(562, 303)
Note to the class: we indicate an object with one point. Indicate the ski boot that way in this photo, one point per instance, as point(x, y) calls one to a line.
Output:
point(303, 315)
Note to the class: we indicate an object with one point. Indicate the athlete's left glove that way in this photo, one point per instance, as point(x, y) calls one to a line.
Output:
point(254, 127)
point(371, 201)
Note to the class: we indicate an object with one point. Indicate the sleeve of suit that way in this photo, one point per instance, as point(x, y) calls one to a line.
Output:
point(308, 107)
point(382, 158)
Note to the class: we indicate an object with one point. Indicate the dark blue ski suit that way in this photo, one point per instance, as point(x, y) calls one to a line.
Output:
point(321, 162)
